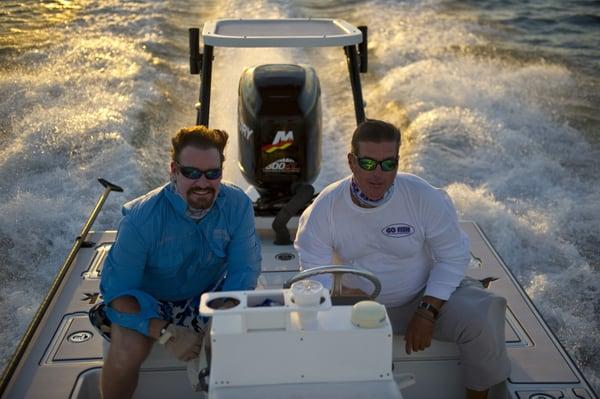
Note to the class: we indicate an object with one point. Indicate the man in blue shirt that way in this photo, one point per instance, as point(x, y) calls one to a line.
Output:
point(193, 235)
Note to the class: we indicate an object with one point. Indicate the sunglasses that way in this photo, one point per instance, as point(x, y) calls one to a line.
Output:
point(192, 173)
point(370, 164)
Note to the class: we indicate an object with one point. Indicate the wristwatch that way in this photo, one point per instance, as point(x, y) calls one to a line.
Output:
point(430, 308)
point(164, 335)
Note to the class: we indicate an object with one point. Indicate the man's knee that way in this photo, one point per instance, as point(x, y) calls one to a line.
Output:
point(125, 304)
point(486, 321)
point(128, 348)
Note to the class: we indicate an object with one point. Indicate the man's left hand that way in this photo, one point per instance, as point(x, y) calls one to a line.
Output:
point(185, 343)
point(418, 334)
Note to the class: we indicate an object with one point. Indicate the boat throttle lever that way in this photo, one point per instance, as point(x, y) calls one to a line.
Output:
point(302, 196)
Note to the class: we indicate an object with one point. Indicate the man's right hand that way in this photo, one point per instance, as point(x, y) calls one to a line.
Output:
point(185, 343)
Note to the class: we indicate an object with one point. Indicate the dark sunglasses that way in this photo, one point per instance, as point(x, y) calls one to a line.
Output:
point(370, 164)
point(192, 173)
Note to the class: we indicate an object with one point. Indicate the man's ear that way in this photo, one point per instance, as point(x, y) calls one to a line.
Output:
point(173, 168)
point(350, 161)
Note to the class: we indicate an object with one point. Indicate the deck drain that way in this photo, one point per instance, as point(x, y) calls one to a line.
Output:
point(285, 256)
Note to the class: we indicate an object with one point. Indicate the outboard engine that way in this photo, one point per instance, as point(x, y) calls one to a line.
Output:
point(279, 135)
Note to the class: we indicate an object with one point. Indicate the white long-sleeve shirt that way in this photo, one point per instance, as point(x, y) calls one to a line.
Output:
point(411, 242)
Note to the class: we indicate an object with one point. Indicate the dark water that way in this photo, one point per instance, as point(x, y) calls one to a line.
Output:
point(498, 102)
point(563, 32)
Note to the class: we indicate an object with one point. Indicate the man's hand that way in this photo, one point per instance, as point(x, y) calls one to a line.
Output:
point(418, 334)
point(185, 343)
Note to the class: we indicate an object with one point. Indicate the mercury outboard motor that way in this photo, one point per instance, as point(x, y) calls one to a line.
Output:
point(279, 116)
point(279, 138)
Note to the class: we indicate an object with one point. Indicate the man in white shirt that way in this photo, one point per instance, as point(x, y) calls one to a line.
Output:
point(406, 232)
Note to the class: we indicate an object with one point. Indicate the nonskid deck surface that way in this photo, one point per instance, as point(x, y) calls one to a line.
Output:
point(64, 358)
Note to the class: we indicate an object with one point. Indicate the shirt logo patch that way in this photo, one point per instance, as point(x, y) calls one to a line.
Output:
point(220, 234)
point(398, 230)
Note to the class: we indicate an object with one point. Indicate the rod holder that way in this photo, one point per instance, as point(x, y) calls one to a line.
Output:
point(363, 52)
point(195, 55)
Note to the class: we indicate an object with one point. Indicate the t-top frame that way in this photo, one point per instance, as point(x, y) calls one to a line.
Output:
point(288, 32)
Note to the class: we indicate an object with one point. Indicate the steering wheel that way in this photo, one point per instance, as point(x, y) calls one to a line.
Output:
point(338, 272)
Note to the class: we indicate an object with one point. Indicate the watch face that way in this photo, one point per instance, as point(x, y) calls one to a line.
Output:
point(429, 307)
point(164, 337)
point(164, 328)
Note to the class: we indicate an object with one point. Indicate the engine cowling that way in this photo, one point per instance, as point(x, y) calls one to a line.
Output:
point(279, 127)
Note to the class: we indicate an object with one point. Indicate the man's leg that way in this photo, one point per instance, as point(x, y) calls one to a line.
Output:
point(127, 351)
point(474, 318)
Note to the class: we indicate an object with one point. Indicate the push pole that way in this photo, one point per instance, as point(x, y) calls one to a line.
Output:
point(35, 322)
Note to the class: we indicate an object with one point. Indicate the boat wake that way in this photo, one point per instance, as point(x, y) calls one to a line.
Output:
point(101, 95)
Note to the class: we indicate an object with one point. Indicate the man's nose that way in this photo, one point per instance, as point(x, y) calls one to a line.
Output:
point(202, 182)
point(377, 171)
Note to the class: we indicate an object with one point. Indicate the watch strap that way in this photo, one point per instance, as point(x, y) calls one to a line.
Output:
point(165, 335)
point(430, 308)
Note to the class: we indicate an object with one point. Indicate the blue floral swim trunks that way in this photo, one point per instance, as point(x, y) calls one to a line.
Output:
point(182, 313)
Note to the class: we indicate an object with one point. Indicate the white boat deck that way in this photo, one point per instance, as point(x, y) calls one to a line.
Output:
point(65, 355)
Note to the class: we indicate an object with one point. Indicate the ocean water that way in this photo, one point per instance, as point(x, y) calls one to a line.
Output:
point(497, 100)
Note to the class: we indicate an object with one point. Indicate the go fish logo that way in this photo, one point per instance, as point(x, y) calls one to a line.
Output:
point(398, 230)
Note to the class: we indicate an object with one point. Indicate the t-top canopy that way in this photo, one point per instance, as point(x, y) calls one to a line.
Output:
point(290, 32)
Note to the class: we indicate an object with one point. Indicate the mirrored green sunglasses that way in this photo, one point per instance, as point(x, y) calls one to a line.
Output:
point(370, 164)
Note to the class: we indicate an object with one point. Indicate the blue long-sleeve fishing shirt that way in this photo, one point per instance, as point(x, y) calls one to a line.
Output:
point(160, 253)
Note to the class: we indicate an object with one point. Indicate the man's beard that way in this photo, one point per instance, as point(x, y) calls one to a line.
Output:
point(203, 202)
